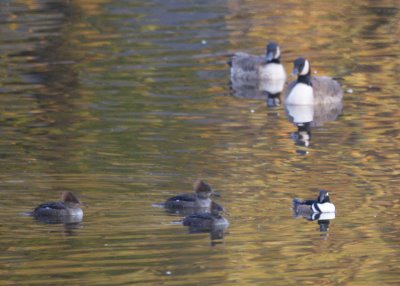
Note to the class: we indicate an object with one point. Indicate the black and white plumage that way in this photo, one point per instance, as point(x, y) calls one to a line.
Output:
point(307, 207)
point(311, 90)
point(67, 210)
point(264, 74)
point(199, 199)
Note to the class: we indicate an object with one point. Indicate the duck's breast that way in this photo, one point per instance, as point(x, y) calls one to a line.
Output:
point(327, 208)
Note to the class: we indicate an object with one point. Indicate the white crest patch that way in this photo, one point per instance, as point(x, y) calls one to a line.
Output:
point(306, 68)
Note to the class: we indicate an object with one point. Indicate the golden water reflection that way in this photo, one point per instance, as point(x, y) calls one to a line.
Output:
point(127, 103)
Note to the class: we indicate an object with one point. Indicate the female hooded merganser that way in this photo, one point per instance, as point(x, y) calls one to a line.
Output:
point(202, 222)
point(68, 209)
point(311, 90)
point(199, 199)
point(321, 205)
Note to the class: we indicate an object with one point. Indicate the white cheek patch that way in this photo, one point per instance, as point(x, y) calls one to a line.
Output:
point(306, 68)
point(278, 53)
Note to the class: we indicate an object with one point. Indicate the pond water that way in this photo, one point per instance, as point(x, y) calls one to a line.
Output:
point(126, 103)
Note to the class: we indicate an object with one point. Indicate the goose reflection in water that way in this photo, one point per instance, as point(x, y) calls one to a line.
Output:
point(269, 90)
point(305, 117)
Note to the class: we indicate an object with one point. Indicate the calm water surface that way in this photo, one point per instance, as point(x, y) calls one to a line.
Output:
point(126, 103)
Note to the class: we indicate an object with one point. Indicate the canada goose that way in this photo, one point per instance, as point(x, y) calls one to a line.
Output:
point(264, 74)
point(311, 90)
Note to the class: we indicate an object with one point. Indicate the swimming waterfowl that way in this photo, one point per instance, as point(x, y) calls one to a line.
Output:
point(311, 90)
point(68, 209)
point(207, 221)
point(321, 205)
point(199, 199)
point(250, 68)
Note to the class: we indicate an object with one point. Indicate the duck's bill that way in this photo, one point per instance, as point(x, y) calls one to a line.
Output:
point(216, 194)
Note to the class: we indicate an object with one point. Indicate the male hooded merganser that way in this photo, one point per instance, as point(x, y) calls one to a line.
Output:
point(312, 90)
point(199, 199)
point(68, 209)
point(203, 222)
point(321, 205)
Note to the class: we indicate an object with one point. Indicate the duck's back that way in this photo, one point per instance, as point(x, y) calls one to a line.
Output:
point(50, 209)
point(181, 201)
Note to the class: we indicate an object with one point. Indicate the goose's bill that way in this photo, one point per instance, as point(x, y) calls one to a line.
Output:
point(295, 72)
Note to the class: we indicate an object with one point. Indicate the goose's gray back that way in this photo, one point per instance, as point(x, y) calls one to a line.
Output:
point(245, 67)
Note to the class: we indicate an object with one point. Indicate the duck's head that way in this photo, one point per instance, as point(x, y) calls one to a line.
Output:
point(71, 200)
point(301, 67)
point(272, 52)
point(323, 197)
point(202, 189)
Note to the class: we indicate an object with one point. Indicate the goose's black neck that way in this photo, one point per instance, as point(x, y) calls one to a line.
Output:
point(306, 79)
point(275, 61)
point(304, 127)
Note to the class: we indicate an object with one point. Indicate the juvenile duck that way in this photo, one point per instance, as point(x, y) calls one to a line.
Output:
point(199, 199)
point(202, 222)
point(311, 90)
point(250, 68)
point(321, 205)
point(68, 207)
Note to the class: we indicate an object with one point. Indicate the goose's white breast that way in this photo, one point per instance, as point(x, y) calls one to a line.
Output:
point(301, 94)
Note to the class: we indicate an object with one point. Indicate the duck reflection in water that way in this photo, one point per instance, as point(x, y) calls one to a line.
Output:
point(67, 211)
point(212, 222)
point(320, 210)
